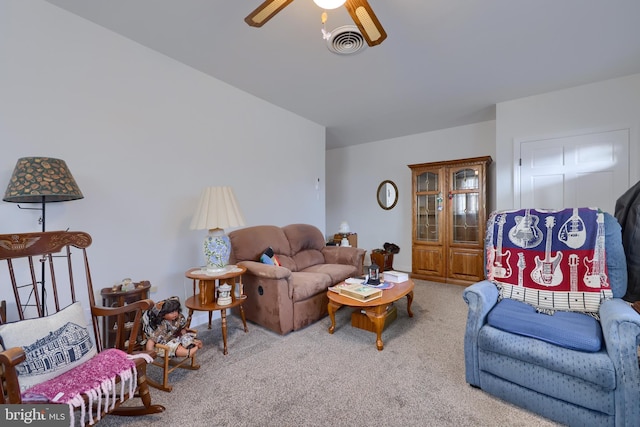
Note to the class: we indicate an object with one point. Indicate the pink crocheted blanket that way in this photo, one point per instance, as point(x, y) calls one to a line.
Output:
point(95, 379)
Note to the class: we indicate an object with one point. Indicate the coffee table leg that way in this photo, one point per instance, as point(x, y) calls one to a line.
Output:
point(376, 315)
point(409, 301)
point(223, 315)
point(332, 308)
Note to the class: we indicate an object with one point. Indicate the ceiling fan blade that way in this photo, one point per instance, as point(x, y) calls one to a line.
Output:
point(367, 21)
point(265, 11)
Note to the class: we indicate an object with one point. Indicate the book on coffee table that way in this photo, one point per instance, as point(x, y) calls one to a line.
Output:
point(358, 291)
point(395, 276)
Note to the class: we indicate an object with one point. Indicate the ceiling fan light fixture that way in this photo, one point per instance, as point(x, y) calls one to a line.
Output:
point(360, 11)
point(329, 4)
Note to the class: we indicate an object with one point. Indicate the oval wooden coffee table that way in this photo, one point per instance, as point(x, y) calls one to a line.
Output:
point(374, 309)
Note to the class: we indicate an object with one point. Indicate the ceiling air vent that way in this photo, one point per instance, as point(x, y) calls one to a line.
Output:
point(346, 40)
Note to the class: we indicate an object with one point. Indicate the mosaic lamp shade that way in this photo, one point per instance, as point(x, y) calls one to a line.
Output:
point(217, 210)
point(41, 180)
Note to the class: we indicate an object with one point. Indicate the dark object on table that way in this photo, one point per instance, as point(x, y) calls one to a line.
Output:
point(384, 257)
point(391, 248)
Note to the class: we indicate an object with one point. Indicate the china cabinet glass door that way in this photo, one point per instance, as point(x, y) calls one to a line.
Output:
point(465, 211)
point(428, 205)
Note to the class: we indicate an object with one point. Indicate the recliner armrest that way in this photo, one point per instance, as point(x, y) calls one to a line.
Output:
point(481, 297)
point(621, 331)
point(620, 328)
point(265, 270)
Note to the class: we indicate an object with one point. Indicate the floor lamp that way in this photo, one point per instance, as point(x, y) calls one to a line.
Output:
point(41, 180)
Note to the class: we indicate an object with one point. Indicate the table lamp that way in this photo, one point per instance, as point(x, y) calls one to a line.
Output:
point(344, 230)
point(217, 210)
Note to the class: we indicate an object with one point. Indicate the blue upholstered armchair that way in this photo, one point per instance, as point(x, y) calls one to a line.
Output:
point(577, 368)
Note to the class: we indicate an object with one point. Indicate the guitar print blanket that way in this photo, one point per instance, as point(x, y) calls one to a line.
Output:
point(553, 260)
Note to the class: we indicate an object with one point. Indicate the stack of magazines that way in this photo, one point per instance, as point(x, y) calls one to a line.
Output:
point(358, 291)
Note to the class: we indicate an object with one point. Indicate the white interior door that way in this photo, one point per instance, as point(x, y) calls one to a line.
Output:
point(574, 171)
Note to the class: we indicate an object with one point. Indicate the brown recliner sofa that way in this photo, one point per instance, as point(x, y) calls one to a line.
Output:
point(293, 295)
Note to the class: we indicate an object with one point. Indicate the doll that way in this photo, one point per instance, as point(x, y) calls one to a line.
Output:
point(165, 324)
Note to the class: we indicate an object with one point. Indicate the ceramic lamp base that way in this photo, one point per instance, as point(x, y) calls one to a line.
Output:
point(217, 249)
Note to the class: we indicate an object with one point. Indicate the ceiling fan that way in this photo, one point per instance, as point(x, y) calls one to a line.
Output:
point(360, 12)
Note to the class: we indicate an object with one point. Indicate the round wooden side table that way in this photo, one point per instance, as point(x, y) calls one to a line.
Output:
point(206, 298)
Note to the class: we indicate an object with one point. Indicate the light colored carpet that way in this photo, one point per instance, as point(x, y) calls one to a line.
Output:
point(312, 378)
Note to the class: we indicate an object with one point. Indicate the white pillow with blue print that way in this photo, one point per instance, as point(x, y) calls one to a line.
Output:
point(53, 344)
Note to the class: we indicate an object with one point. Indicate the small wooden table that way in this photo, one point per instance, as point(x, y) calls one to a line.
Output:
point(375, 309)
point(116, 297)
point(206, 299)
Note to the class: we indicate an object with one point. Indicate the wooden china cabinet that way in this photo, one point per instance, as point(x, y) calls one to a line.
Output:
point(449, 220)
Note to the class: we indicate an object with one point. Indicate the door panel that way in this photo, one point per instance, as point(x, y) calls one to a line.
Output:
point(581, 170)
point(594, 184)
point(547, 190)
point(465, 264)
point(428, 261)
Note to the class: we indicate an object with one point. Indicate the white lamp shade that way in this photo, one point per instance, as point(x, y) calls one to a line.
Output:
point(344, 228)
point(217, 208)
point(329, 4)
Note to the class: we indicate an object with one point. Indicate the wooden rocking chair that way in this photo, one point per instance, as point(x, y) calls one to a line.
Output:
point(121, 371)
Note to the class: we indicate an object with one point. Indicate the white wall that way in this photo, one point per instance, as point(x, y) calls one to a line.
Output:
point(142, 135)
point(606, 105)
point(354, 173)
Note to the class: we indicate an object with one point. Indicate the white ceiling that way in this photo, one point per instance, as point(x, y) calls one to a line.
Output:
point(445, 62)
